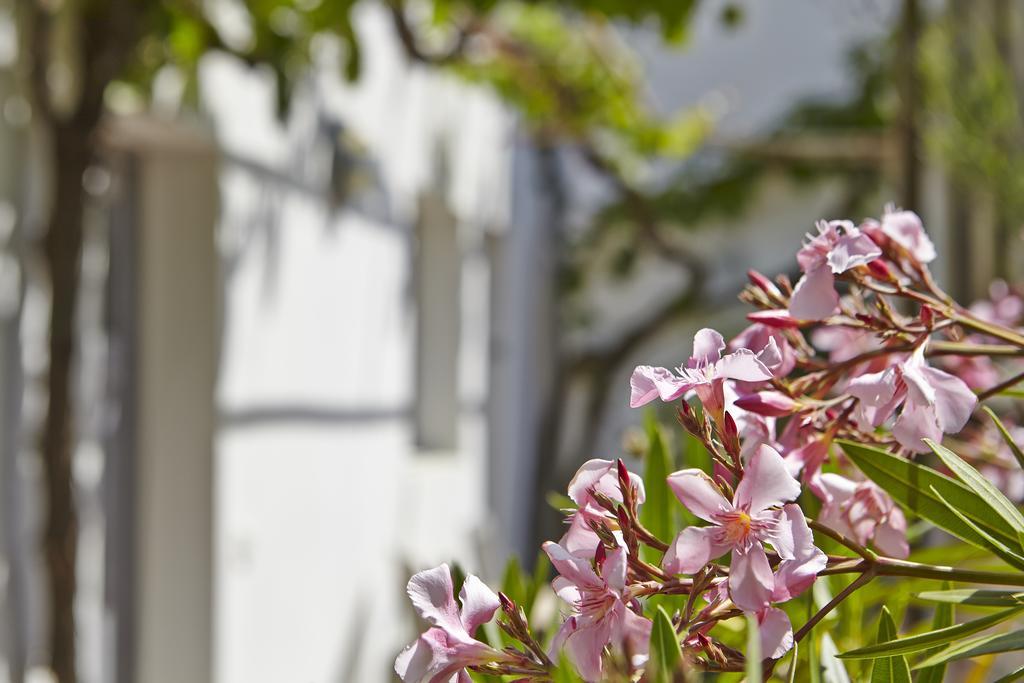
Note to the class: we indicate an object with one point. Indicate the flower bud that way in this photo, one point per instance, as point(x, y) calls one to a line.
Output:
point(927, 316)
point(779, 318)
point(763, 283)
point(506, 603)
point(768, 403)
point(731, 436)
point(880, 270)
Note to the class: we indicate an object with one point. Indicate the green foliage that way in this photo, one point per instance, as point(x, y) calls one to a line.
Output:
point(565, 672)
point(917, 488)
point(656, 514)
point(1014, 447)
point(976, 647)
point(944, 618)
point(999, 503)
point(932, 639)
point(975, 596)
point(889, 669)
point(753, 655)
point(665, 653)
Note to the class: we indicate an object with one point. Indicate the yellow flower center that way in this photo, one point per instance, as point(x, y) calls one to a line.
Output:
point(738, 527)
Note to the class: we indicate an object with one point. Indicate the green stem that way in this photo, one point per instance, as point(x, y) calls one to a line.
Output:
point(888, 566)
point(843, 594)
point(967, 320)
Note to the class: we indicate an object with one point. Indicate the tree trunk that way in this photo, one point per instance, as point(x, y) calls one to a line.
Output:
point(62, 248)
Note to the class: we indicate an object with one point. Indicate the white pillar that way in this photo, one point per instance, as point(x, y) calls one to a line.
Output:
point(174, 201)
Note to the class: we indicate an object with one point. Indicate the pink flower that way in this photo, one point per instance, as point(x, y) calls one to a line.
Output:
point(705, 373)
point(448, 647)
point(934, 402)
point(743, 526)
point(838, 247)
point(760, 339)
point(1003, 307)
point(864, 512)
point(600, 476)
point(905, 229)
point(601, 612)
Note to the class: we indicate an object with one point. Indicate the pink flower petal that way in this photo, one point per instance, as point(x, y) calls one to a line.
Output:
point(614, 570)
point(750, 578)
point(917, 422)
point(744, 366)
point(697, 492)
point(891, 537)
point(648, 383)
point(766, 482)
point(708, 345)
point(775, 632)
point(431, 594)
point(794, 576)
point(905, 228)
point(693, 548)
point(585, 647)
point(573, 568)
point(954, 401)
point(852, 249)
point(815, 296)
point(478, 603)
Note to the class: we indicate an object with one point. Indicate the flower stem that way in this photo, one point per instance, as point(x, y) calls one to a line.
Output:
point(861, 580)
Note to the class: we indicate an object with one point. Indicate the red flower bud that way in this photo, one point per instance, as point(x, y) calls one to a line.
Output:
point(763, 283)
point(774, 318)
point(879, 270)
point(768, 403)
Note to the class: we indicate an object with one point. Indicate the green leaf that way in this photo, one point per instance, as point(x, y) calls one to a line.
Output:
point(975, 647)
point(910, 485)
point(665, 653)
point(1014, 448)
point(972, 596)
point(931, 639)
point(980, 485)
point(752, 657)
point(944, 618)
point(994, 546)
point(889, 669)
point(656, 512)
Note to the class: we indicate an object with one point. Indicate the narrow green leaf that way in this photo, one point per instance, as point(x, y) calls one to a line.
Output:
point(665, 653)
point(931, 639)
point(944, 618)
point(975, 647)
point(794, 663)
point(972, 596)
point(1014, 447)
point(980, 485)
point(889, 669)
point(994, 546)
point(910, 485)
point(656, 512)
point(752, 657)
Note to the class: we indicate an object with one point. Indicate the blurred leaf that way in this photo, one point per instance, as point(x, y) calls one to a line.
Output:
point(565, 672)
point(944, 618)
point(889, 669)
point(752, 656)
point(910, 485)
point(656, 512)
point(981, 597)
point(665, 653)
point(513, 583)
point(930, 639)
point(999, 503)
point(1014, 448)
